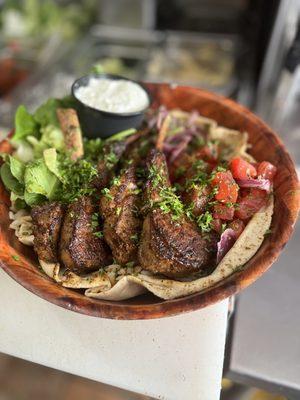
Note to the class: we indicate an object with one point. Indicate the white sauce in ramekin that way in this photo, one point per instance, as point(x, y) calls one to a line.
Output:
point(116, 96)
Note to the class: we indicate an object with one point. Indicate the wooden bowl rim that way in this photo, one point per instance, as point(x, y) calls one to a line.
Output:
point(77, 302)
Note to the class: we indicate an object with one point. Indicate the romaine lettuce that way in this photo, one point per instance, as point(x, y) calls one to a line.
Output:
point(25, 124)
point(40, 180)
point(10, 182)
point(17, 168)
point(50, 158)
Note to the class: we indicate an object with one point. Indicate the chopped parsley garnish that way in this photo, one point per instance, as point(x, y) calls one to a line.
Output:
point(134, 238)
point(95, 225)
point(116, 181)
point(118, 210)
point(76, 179)
point(15, 257)
point(110, 159)
point(92, 149)
point(95, 220)
point(204, 221)
point(98, 234)
point(170, 203)
point(130, 264)
point(106, 193)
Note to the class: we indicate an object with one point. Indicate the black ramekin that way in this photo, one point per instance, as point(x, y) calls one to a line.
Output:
point(96, 123)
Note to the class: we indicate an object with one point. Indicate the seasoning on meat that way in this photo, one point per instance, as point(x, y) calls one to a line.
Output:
point(47, 220)
point(171, 244)
point(81, 249)
point(122, 225)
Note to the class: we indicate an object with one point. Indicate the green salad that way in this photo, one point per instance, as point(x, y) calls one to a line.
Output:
point(41, 167)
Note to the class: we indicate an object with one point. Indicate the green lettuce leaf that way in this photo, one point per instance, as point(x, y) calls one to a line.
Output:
point(17, 168)
point(24, 151)
point(25, 124)
point(34, 199)
point(53, 137)
point(10, 182)
point(50, 158)
point(46, 113)
point(40, 180)
point(19, 201)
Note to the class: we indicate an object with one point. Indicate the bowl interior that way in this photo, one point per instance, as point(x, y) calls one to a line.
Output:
point(265, 146)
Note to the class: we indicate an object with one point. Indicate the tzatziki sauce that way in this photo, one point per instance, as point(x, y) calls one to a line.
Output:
point(113, 95)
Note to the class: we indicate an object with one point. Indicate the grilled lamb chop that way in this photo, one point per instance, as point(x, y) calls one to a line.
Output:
point(47, 220)
point(80, 249)
point(121, 224)
point(174, 248)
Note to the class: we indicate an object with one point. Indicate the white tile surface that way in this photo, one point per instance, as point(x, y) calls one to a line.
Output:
point(172, 358)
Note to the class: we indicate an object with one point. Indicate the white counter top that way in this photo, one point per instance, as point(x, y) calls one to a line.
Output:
point(172, 358)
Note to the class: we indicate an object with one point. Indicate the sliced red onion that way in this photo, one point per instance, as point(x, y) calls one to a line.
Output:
point(169, 148)
point(180, 148)
point(263, 184)
point(225, 243)
point(178, 138)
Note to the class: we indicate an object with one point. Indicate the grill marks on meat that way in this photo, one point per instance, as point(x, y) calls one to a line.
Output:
point(80, 250)
point(47, 220)
point(172, 248)
point(121, 223)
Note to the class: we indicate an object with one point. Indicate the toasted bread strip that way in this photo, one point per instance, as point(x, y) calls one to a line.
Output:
point(70, 127)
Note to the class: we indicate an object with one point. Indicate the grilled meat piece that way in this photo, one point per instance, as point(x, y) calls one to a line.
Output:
point(80, 249)
point(112, 152)
point(121, 223)
point(174, 248)
point(47, 220)
point(196, 198)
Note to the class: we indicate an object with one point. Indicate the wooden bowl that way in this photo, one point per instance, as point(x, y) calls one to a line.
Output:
point(265, 146)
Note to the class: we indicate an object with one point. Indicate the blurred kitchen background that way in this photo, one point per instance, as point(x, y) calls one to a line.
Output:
point(248, 50)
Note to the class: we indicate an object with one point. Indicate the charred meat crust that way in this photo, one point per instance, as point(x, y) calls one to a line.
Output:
point(169, 247)
point(174, 249)
point(47, 220)
point(121, 223)
point(80, 250)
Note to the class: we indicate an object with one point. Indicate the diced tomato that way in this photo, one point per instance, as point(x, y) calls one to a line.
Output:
point(251, 201)
point(266, 170)
point(242, 169)
point(227, 188)
point(217, 225)
point(223, 212)
point(237, 225)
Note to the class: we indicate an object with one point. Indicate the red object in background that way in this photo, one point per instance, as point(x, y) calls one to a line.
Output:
point(11, 74)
